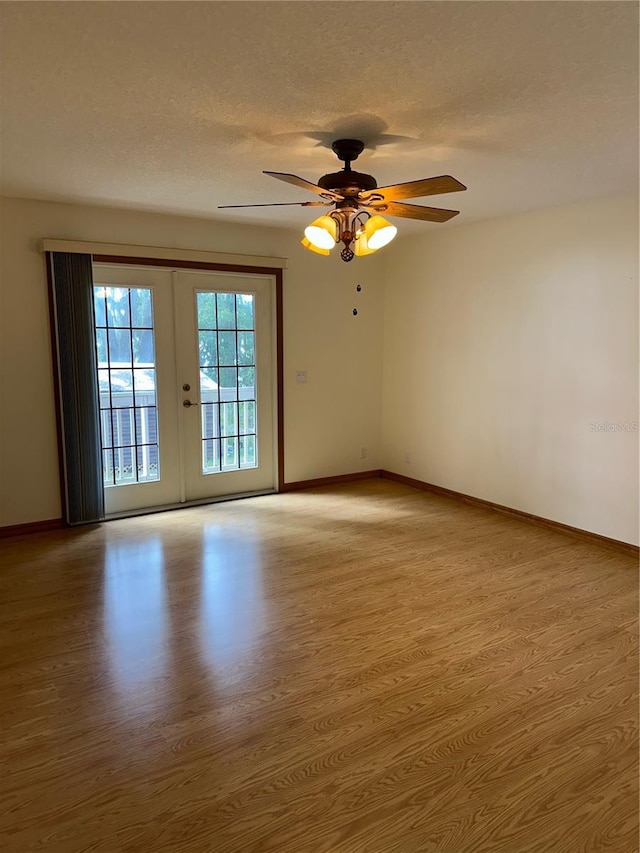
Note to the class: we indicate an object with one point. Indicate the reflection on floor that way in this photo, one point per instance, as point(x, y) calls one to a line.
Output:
point(364, 668)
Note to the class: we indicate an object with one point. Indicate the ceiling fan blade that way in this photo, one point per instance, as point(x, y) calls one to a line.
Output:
point(416, 211)
point(417, 189)
point(281, 204)
point(304, 185)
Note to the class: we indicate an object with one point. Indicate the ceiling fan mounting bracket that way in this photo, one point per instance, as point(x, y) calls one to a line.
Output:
point(347, 150)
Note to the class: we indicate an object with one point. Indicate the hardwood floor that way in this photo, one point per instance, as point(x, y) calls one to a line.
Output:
point(362, 668)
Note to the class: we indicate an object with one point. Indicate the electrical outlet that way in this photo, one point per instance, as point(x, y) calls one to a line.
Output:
point(363, 453)
point(301, 377)
point(407, 457)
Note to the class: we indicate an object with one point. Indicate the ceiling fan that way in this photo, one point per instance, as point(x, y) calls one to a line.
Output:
point(358, 203)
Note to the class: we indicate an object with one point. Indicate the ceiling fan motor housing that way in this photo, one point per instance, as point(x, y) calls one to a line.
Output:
point(347, 183)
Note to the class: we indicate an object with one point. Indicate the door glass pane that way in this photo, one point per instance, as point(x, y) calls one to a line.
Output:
point(117, 306)
point(126, 379)
point(119, 347)
point(227, 349)
point(141, 310)
point(247, 383)
point(209, 384)
point(143, 346)
point(101, 344)
point(208, 348)
point(121, 381)
point(229, 460)
point(228, 383)
point(123, 427)
point(100, 308)
point(210, 421)
point(247, 417)
point(245, 348)
point(226, 305)
point(207, 311)
point(228, 419)
point(244, 311)
point(247, 451)
point(226, 338)
point(210, 455)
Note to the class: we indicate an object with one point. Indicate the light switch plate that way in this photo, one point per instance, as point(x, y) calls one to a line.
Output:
point(301, 377)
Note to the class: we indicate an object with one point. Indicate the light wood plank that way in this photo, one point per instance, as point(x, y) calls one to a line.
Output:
point(361, 668)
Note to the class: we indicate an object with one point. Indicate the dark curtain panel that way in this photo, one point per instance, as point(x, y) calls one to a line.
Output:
point(71, 278)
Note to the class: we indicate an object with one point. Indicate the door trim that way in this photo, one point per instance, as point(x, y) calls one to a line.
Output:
point(276, 272)
point(131, 250)
point(151, 510)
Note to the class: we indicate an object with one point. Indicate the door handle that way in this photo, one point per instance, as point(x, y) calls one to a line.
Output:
point(187, 404)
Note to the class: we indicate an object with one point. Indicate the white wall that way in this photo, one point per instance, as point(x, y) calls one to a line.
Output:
point(505, 342)
point(326, 421)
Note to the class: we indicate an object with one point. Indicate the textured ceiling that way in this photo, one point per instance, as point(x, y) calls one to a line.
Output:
point(179, 106)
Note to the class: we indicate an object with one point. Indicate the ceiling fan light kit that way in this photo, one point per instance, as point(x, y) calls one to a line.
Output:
point(322, 233)
point(358, 203)
point(309, 245)
point(361, 246)
point(378, 232)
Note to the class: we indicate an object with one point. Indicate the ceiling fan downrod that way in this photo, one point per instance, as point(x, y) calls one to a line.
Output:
point(347, 150)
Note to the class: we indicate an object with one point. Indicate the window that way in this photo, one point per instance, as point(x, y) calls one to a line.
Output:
point(127, 384)
point(227, 361)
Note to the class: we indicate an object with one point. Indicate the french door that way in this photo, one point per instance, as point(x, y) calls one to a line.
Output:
point(186, 384)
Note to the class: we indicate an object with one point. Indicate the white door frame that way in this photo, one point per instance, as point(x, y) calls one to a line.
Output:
point(278, 332)
point(195, 484)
